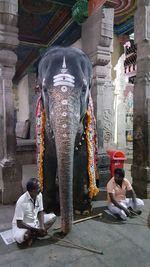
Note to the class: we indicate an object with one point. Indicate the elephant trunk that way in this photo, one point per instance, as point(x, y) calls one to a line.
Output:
point(65, 128)
point(65, 174)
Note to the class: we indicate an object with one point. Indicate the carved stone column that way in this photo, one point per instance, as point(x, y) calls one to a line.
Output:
point(141, 121)
point(10, 171)
point(32, 103)
point(119, 122)
point(97, 34)
point(99, 26)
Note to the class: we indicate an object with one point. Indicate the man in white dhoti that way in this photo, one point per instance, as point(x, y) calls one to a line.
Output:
point(29, 219)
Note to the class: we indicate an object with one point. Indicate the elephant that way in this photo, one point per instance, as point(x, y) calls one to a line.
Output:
point(64, 79)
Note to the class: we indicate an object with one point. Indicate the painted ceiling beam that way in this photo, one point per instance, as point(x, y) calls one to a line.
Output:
point(126, 27)
point(63, 2)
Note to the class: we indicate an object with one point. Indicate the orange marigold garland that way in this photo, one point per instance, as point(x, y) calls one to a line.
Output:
point(40, 123)
point(92, 149)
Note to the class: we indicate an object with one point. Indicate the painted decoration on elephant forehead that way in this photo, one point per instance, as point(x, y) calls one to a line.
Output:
point(63, 78)
point(64, 89)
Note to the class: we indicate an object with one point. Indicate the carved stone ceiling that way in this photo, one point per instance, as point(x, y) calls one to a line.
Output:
point(43, 23)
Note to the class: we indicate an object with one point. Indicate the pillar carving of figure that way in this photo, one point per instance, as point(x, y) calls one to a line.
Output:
point(141, 119)
point(10, 171)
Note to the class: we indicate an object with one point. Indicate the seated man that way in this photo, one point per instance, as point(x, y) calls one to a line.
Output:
point(29, 219)
point(118, 204)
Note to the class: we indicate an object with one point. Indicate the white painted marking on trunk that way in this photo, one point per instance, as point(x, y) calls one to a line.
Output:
point(64, 89)
point(64, 126)
point(64, 114)
point(64, 102)
point(43, 82)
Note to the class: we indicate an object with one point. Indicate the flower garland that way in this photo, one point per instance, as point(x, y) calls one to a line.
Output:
point(92, 148)
point(91, 145)
point(40, 123)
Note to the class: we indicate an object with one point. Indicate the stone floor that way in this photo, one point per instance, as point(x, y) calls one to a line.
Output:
point(122, 243)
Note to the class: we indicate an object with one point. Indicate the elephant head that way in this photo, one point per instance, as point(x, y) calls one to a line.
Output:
point(65, 78)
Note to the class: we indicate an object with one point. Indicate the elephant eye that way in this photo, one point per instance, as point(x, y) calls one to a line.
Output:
point(83, 89)
point(45, 89)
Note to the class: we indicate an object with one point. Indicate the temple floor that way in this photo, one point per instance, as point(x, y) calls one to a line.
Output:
point(123, 243)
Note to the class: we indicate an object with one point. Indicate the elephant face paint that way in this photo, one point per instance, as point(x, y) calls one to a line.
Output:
point(63, 78)
point(64, 89)
point(67, 83)
point(64, 102)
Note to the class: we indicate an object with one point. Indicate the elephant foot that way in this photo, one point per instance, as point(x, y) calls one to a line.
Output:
point(85, 212)
point(83, 209)
point(59, 234)
point(77, 212)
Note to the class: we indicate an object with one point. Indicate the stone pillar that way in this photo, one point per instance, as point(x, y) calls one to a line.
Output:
point(141, 119)
point(33, 96)
point(10, 171)
point(119, 122)
point(97, 34)
point(99, 26)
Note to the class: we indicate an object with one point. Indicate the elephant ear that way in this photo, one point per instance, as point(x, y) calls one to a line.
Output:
point(91, 81)
point(89, 72)
point(38, 87)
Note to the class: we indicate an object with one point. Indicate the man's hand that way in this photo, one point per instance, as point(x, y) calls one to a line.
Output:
point(127, 212)
point(135, 212)
point(134, 205)
point(41, 232)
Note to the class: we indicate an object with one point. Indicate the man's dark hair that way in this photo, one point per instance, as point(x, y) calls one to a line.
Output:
point(32, 184)
point(119, 172)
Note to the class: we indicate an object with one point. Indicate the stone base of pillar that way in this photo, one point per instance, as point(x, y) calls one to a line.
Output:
point(103, 169)
point(141, 180)
point(11, 183)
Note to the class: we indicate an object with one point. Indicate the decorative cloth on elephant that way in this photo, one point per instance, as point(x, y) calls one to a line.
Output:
point(90, 138)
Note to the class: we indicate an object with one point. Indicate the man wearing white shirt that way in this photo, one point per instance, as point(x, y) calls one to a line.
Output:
point(29, 219)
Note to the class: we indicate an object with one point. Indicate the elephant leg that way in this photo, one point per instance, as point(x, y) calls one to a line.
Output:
point(81, 199)
point(49, 173)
